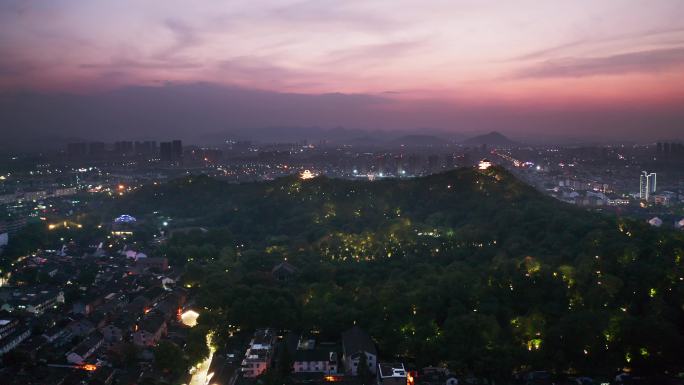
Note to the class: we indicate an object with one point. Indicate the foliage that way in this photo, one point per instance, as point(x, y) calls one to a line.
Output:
point(169, 358)
point(474, 270)
point(196, 347)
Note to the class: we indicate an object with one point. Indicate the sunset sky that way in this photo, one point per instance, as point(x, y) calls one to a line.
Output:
point(420, 54)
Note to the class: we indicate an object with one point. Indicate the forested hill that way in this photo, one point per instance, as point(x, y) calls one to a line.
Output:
point(463, 204)
point(470, 269)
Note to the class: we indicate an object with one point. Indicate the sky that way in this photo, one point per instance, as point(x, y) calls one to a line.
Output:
point(570, 68)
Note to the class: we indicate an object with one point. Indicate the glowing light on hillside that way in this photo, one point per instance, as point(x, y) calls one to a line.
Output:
point(189, 318)
point(307, 174)
point(534, 344)
point(484, 164)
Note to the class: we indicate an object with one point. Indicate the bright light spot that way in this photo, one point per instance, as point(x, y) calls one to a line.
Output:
point(307, 174)
point(534, 344)
point(189, 318)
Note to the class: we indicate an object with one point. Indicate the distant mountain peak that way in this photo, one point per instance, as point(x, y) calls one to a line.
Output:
point(493, 138)
point(419, 140)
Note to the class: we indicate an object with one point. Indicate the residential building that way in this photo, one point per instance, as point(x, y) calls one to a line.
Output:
point(153, 263)
point(312, 358)
point(82, 327)
point(150, 330)
point(355, 342)
point(259, 353)
point(647, 185)
point(35, 302)
point(7, 326)
point(16, 335)
point(171, 151)
point(85, 349)
point(283, 271)
point(391, 374)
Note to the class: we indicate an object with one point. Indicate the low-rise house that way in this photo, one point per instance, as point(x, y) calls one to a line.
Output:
point(114, 304)
point(7, 325)
point(116, 330)
point(153, 263)
point(12, 333)
point(319, 360)
point(310, 357)
point(13, 340)
point(155, 294)
point(86, 307)
point(34, 302)
point(283, 272)
point(169, 307)
point(54, 333)
point(82, 327)
point(85, 349)
point(655, 222)
point(150, 330)
point(138, 305)
point(258, 355)
point(391, 374)
point(434, 376)
point(355, 342)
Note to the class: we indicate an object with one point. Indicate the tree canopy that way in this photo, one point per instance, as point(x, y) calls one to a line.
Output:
point(475, 270)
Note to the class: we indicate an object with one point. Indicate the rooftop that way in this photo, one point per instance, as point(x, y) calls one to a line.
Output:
point(392, 370)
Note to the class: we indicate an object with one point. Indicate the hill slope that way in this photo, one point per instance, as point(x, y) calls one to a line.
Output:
point(473, 270)
point(491, 139)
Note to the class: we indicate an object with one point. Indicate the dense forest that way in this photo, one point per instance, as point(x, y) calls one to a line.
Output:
point(471, 269)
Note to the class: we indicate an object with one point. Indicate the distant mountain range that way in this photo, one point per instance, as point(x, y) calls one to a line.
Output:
point(491, 139)
point(420, 140)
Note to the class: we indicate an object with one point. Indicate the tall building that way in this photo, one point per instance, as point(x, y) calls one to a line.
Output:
point(96, 149)
point(146, 148)
point(177, 149)
point(171, 151)
point(124, 147)
point(77, 150)
point(165, 151)
point(647, 185)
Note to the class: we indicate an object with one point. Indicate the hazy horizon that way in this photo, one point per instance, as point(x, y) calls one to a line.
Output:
point(580, 71)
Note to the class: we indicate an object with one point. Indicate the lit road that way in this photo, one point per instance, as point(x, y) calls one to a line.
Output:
point(201, 373)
